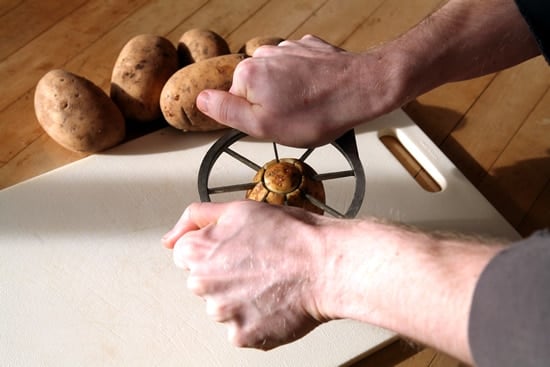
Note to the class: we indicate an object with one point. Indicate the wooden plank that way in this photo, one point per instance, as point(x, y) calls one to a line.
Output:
point(59, 44)
point(29, 20)
point(95, 63)
point(157, 17)
point(18, 128)
point(336, 20)
point(399, 353)
point(422, 358)
point(523, 168)
point(215, 15)
point(480, 137)
point(42, 156)
point(276, 18)
point(387, 22)
point(443, 360)
point(9, 5)
point(439, 111)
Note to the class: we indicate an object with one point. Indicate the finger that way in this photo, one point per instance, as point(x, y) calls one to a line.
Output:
point(226, 108)
point(215, 282)
point(235, 334)
point(313, 39)
point(288, 43)
point(239, 336)
point(307, 40)
point(195, 216)
point(266, 51)
point(180, 228)
point(189, 250)
point(222, 312)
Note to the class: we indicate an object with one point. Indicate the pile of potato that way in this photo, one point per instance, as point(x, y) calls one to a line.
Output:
point(151, 79)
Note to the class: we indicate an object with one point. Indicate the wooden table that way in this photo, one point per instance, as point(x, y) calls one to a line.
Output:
point(495, 128)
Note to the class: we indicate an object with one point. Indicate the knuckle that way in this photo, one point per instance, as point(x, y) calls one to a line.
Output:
point(287, 43)
point(213, 308)
point(188, 248)
point(197, 285)
point(225, 109)
point(220, 311)
point(264, 51)
point(261, 128)
point(243, 69)
point(237, 337)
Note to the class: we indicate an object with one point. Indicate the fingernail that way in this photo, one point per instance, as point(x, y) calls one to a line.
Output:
point(202, 101)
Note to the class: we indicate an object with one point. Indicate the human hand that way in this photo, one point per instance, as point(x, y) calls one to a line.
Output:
point(303, 93)
point(257, 266)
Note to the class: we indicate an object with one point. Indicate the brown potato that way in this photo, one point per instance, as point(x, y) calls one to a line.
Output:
point(143, 66)
point(178, 97)
point(199, 44)
point(287, 180)
point(251, 45)
point(76, 113)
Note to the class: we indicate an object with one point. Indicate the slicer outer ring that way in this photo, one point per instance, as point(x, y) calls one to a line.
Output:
point(346, 145)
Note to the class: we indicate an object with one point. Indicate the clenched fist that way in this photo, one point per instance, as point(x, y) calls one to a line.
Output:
point(258, 267)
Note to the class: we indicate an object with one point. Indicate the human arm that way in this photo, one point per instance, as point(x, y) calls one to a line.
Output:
point(306, 93)
point(271, 286)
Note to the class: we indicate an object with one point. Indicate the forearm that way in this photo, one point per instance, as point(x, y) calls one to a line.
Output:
point(461, 40)
point(418, 285)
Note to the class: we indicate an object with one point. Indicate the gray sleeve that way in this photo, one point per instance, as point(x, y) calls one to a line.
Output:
point(509, 321)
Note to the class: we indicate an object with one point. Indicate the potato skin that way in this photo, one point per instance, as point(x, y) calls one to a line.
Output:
point(252, 44)
point(76, 113)
point(143, 66)
point(199, 44)
point(179, 95)
point(287, 180)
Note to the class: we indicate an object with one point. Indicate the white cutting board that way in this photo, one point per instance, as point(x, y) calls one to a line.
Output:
point(84, 280)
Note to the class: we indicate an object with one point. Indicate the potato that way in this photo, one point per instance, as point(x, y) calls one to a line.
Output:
point(143, 66)
point(76, 113)
point(251, 45)
point(180, 92)
point(199, 44)
point(287, 180)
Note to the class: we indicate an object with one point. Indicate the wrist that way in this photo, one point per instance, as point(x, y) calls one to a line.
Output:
point(344, 271)
point(390, 76)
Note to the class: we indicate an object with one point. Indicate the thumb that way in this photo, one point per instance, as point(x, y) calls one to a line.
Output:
point(195, 216)
point(226, 108)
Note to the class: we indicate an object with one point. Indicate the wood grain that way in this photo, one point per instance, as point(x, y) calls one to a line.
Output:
point(494, 128)
point(46, 14)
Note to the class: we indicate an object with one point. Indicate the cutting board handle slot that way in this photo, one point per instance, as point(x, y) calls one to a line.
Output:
point(419, 173)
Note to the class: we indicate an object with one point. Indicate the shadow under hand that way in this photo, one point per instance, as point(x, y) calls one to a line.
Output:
point(517, 192)
point(436, 122)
